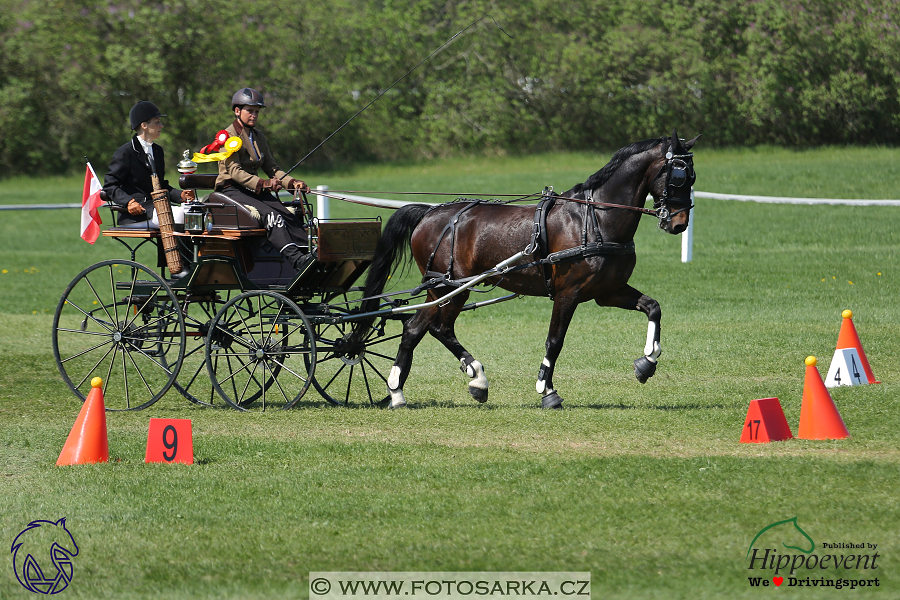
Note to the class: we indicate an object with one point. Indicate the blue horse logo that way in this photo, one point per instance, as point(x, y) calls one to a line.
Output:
point(40, 541)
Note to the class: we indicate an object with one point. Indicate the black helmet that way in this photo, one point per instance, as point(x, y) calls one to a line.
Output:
point(142, 112)
point(247, 97)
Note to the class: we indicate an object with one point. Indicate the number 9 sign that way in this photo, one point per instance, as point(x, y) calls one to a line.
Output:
point(169, 440)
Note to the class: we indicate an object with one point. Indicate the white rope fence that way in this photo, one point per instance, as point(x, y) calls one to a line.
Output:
point(687, 237)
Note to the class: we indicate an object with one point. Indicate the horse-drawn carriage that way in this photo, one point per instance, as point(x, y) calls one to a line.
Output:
point(239, 324)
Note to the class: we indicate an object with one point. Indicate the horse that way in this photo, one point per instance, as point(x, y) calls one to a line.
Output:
point(577, 246)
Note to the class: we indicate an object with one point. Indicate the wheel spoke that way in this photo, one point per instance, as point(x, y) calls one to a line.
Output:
point(273, 340)
point(135, 337)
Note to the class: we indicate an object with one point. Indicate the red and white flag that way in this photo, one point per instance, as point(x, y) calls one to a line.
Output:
point(90, 203)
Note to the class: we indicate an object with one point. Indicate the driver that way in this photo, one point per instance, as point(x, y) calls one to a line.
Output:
point(128, 182)
point(239, 180)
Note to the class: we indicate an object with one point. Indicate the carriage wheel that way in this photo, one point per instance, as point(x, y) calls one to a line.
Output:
point(359, 373)
point(120, 321)
point(260, 351)
point(193, 381)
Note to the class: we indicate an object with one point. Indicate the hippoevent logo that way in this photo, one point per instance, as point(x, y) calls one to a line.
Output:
point(786, 555)
point(42, 556)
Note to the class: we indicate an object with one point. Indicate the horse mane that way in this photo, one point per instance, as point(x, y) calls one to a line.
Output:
point(621, 155)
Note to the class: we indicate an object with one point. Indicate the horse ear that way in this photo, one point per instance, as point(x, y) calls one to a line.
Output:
point(674, 144)
point(690, 143)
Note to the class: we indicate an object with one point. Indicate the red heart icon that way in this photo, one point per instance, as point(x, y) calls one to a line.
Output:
point(778, 580)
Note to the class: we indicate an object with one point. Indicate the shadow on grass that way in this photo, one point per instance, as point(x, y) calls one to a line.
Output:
point(621, 406)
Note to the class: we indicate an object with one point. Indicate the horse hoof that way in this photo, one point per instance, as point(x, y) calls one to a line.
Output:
point(397, 399)
point(480, 394)
point(551, 401)
point(644, 369)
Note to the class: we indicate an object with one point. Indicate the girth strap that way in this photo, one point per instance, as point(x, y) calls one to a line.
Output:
point(539, 244)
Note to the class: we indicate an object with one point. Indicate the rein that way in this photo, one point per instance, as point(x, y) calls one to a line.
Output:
point(463, 198)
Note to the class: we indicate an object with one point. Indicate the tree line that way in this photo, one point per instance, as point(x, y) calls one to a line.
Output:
point(528, 76)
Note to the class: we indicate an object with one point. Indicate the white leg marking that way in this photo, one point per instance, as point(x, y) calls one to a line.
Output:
point(394, 378)
point(651, 338)
point(541, 385)
point(397, 399)
point(476, 372)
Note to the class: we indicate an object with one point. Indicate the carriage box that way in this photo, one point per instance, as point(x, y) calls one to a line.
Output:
point(348, 240)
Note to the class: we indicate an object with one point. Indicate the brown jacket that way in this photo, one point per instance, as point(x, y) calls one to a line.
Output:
point(241, 168)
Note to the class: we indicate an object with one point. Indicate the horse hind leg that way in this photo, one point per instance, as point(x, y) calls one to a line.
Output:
point(478, 386)
point(414, 330)
point(445, 332)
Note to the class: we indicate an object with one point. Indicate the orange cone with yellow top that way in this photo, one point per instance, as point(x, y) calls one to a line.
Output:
point(848, 338)
point(87, 442)
point(819, 417)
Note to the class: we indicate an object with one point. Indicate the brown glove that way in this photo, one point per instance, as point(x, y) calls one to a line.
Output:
point(298, 186)
point(134, 207)
point(188, 195)
point(272, 185)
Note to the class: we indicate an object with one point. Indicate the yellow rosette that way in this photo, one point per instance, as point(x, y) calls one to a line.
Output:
point(232, 145)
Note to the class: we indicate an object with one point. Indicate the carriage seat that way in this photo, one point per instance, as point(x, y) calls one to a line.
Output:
point(226, 213)
point(198, 181)
point(151, 224)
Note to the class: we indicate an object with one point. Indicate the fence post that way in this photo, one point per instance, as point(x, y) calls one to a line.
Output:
point(687, 236)
point(322, 208)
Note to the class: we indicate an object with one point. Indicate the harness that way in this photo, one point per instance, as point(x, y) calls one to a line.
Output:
point(679, 170)
point(538, 246)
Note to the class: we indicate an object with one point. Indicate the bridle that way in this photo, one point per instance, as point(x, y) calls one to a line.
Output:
point(680, 177)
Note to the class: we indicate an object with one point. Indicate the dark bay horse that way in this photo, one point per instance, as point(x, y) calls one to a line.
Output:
point(578, 247)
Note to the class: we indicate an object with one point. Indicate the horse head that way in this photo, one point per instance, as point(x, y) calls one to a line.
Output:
point(671, 186)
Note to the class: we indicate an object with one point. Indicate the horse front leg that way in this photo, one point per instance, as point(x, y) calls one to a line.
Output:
point(563, 310)
point(632, 299)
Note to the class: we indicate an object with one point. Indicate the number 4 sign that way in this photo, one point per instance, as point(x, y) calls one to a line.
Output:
point(170, 440)
point(846, 369)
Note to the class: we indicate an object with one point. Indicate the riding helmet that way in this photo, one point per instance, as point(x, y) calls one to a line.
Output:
point(142, 112)
point(247, 97)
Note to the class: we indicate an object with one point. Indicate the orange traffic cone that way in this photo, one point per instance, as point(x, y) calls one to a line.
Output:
point(819, 417)
point(87, 442)
point(848, 338)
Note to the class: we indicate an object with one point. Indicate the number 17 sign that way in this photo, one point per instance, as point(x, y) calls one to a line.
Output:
point(170, 440)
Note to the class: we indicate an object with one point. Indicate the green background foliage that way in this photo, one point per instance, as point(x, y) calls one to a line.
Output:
point(585, 75)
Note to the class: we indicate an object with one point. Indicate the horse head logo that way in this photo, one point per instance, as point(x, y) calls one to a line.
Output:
point(36, 548)
point(787, 533)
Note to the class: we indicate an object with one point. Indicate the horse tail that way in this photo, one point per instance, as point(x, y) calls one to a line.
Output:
point(389, 252)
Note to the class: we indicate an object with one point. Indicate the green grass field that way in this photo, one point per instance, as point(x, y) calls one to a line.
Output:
point(645, 486)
